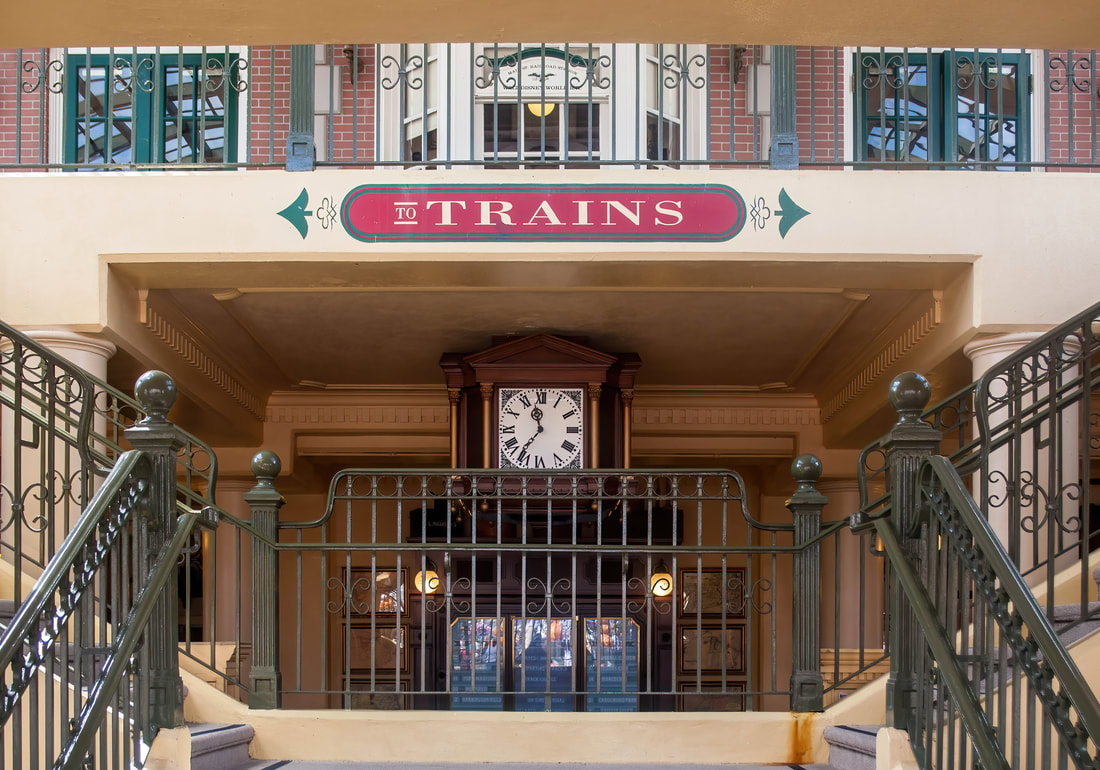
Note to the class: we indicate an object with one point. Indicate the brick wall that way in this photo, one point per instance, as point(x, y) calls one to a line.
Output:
point(1066, 85)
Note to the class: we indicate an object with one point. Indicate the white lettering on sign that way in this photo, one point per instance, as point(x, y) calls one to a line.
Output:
point(668, 208)
point(490, 209)
point(443, 212)
point(445, 206)
point(404, 213)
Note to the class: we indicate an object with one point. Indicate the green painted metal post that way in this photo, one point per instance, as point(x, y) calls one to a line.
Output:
point(907, 444)
point(265, 501)
point(156, 392)
point(783, 151)
point(301, 153)
point(807, 685)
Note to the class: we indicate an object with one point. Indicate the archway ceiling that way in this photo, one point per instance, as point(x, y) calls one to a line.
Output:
point(724, 326)
point(1021, 23)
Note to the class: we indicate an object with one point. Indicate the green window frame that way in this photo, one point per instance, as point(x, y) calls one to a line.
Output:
point(970, 108)
point(128, 108)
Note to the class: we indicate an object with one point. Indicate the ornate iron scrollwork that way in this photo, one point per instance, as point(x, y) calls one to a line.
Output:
point(40, 76)
point(403, 74)
point(680, 71)
point(535, 607)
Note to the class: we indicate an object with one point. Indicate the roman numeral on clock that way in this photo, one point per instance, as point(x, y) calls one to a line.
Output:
point(568, 445)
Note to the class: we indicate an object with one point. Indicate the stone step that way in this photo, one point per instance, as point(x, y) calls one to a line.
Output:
point(852, 747)
point(220, 747)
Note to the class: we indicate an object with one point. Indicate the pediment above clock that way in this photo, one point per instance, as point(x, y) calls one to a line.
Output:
point(538, 358)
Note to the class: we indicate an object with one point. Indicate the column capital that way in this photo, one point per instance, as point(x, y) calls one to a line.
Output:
point(62, 340)
point(986, 350)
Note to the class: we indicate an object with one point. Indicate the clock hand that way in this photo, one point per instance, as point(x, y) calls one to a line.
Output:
point(536, 413)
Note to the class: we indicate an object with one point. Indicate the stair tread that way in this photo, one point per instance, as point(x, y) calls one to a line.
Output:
point(273, 764)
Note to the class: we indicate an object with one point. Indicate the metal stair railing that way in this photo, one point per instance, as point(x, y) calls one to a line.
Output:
point(82, 668)
point(993, 684)
point(64, 429)
point(1024, 432)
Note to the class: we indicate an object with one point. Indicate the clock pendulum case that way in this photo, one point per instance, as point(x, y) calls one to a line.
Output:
point(540, 402)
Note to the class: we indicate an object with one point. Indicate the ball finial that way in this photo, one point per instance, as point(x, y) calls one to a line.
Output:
point(266, 465)
point(909, 395)
point(806, 469)
point(155, 392)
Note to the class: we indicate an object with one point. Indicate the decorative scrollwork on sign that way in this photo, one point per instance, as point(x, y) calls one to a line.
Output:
point(680, 72)
point(1055, 63)
point(495, 64)
point(535, 607)
point(40, 76)
point(652, 594)
point(591, 72)
point(403, 74)
point(460, 606)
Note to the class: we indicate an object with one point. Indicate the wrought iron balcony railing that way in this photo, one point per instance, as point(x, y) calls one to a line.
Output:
point(547, 105)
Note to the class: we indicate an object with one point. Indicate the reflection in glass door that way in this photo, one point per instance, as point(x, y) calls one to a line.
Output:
point(542, 662)
point(539, 661)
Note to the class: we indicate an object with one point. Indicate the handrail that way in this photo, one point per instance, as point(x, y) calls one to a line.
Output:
point(499, 493)
point(91, 716)
point(98, 449)
point(21, 633)
point(977, 725)
point(1015, 608)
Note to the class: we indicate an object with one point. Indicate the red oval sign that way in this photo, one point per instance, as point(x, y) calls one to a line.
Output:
point(543, 212)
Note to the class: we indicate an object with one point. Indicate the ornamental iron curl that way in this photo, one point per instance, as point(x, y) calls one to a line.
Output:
point(591, 73)
point(659, 603)
point(40, 76)
point(886, 70)
point(1057, 85)
point(403, 73)
point(981, 71)
point(562, 584)
point(495, 64)
point(216, 74)
point(680, 72)
point(1030, 496)
point(436, 605)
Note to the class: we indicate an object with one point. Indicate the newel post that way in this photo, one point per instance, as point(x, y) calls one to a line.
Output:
point(265, 501)
point(156, 392)
point(807, 686)
point(907, 444)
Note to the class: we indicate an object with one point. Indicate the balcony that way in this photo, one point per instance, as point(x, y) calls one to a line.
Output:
point(538, 106)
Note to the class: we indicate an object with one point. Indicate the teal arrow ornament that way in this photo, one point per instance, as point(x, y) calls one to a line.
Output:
point(788, 212)
point(296, 213)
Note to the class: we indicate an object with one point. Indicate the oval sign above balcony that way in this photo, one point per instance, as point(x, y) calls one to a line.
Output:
point(543, 212)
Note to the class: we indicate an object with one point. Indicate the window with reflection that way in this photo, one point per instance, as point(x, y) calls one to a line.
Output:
point(959, 107)
point(151, 108)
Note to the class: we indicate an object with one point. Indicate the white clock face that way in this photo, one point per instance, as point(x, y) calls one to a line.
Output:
point(540, 427)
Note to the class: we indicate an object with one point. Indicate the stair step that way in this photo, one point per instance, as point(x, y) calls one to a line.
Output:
point(270, 764)
point(220, 747)
point(852, 747)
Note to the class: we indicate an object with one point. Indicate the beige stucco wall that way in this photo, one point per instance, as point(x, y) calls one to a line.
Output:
point(1028, 236)
point(987, 23)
